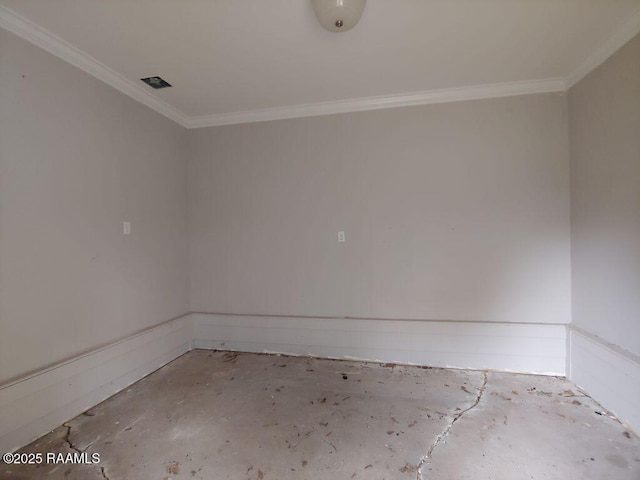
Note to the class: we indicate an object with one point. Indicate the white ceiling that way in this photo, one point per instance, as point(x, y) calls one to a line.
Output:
point(271, 59)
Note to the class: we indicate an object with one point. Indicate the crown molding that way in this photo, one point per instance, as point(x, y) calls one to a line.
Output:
point(376, 103)
point(24, 28)
point(55, 45)
point(626, 32)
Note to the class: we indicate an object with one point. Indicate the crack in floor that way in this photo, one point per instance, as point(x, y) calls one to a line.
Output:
point(425, 460)
point(67, 439)
point(104, 474)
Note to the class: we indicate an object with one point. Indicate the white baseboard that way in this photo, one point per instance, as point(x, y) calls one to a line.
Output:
point(607, 373)
point(36, 404)
point(518, 347)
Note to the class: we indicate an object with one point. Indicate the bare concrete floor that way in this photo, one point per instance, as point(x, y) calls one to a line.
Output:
point(217, 415)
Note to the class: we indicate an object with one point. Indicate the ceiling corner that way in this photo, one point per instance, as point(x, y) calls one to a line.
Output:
point(620, 37)
point(33, 33)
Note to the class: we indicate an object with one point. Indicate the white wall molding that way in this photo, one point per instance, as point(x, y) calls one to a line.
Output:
point(43, 400)
point(518, 347)
point(35, 404)
point(55, 45)
point(626, 32)
point(608, 373)
point(50, 42)
point(30, 31)
point(446, 95)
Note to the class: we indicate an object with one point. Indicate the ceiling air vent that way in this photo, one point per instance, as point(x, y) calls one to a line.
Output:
point(156, 82)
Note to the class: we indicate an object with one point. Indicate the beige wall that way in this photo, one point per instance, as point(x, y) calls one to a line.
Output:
point(453, 211)
point(605, 198)
point(76, 159)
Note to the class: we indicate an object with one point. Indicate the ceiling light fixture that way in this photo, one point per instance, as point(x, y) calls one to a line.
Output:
point(338, 15)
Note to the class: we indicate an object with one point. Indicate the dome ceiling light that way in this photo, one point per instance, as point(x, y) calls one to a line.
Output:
point(338, 15)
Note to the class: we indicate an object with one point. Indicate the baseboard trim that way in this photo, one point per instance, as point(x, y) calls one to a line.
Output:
point(516, 347)
point(607, 373)
point(41, 401)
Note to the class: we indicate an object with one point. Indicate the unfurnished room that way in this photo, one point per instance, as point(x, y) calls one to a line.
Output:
point(320, 239)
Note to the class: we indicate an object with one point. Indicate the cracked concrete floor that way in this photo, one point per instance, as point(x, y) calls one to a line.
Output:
point(217, 415)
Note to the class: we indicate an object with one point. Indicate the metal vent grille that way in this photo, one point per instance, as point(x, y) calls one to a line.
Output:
point(156, 82)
